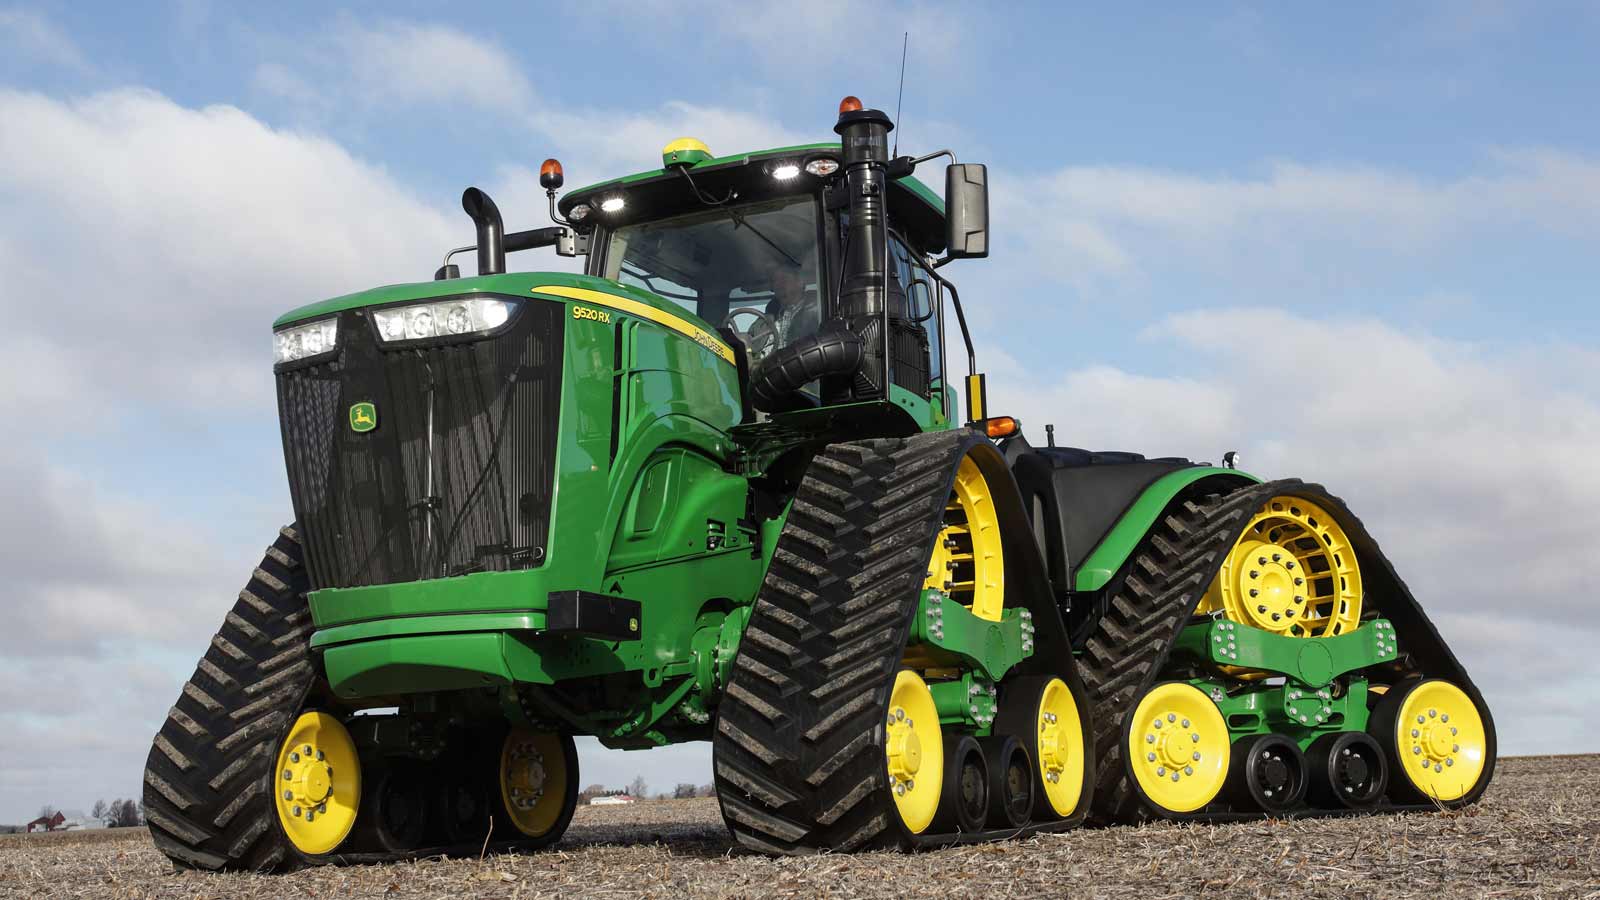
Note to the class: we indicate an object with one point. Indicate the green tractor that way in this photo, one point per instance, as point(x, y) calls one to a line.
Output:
point(717, 488)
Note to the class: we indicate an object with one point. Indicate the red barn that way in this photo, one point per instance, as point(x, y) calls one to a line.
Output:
point(47, 824)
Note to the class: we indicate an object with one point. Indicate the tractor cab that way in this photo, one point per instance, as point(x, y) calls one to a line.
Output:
point(754, 245)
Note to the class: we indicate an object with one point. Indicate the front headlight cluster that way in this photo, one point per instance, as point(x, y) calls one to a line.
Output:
point(444, 318)
point(302, 341)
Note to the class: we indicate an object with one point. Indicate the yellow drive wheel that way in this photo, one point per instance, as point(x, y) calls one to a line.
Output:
point(1440, 742)
point(968, 560)
point(914, 751)
point(1178, 747)
point(1292, 572)
point(1060, 748)
point(318, 783)
point(1043, 714)
point(535, 780)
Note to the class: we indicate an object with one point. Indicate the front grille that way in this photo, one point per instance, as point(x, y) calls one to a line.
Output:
point(362, 499)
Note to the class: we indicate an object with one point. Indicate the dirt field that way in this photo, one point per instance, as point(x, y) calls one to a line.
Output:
point(1537, 834)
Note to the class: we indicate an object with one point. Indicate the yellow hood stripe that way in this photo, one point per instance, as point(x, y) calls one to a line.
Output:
point(644, 311)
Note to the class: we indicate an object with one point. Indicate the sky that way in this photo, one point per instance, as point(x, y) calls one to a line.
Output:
point(1356, 243)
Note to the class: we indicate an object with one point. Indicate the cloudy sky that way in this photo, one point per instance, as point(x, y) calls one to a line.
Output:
point(1357, 246)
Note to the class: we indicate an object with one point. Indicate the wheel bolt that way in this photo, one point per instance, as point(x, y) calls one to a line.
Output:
point(296, 812)
point(1197, 756)
point(1254, 574)
point(1188, 770)
point(1261, 560)
point(288, 795)
point(1161, 771)
point(1277, 556)
point(286, 775)
point(1150, 756)
point(1195, 738)
point(1299, 581)
point(294, 757)
point(319, 756)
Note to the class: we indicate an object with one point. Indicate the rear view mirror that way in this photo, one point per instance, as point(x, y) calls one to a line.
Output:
point(966, 210)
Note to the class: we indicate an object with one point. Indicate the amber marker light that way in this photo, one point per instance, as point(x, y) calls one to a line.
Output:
point(851, 103)
point(550, 174)
point(1001, 426)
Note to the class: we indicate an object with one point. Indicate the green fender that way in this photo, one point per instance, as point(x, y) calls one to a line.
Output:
point(1115, 548)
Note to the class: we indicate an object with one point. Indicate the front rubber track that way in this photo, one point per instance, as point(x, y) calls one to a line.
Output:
point(209, 777)
point(798, 749)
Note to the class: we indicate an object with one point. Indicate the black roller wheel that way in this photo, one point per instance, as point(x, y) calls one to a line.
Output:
point(1346, 770)
point(396, 808)
point(1268, 773)
point(461, 809)
point(964, 800)
point(1010, 781)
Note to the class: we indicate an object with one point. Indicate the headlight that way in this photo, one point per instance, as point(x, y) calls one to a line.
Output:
point(302, 341)
point(442, 318)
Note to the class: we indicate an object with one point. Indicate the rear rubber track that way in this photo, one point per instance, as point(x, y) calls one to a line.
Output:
point(1156, 597)
point(209, 776)
point(1169, 573)
point(799, 755)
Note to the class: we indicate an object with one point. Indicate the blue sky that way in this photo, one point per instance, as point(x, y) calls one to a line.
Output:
point(1357, 243)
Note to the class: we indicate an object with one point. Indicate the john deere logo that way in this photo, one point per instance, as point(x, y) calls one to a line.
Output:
point(363, 417)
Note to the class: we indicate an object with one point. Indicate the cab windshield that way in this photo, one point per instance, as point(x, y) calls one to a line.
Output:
point(752, 268)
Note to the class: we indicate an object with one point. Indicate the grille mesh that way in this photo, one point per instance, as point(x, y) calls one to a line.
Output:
point(363, 498)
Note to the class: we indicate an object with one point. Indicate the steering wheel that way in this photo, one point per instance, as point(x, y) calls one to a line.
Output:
point(760, 338)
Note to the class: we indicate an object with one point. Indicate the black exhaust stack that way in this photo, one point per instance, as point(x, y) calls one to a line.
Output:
point(491, 231)
point(863, 294)
point(865, 139)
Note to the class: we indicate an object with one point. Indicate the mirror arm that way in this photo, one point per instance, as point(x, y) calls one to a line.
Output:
point(961, 318)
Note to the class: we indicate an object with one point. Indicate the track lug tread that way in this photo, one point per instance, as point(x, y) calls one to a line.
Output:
point(826, 631)
point(208, 779)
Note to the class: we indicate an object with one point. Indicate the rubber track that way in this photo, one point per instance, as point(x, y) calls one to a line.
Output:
point(1168, 576)
point(798, 748)
point(209, 775)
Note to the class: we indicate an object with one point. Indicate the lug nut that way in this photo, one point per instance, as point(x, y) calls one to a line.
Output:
point(288, 794)
point(294, 757)
point(296, 812)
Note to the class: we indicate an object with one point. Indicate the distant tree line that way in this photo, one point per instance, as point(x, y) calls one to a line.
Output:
point(639, 789)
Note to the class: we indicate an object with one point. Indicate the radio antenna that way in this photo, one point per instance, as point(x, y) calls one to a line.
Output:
point(905, 42)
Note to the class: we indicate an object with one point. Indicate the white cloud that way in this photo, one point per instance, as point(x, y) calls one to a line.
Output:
point(601, 144)
point(1112, 220)
point(1467, 463)
point(151, 245)
point(32, 36)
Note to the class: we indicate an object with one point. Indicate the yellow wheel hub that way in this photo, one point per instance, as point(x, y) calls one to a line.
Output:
point(533, 780)
point(914, 751)
point(318, 783)
point(1441, 740)
point(968, 560)
point(1292, 572)
point(1178, 747)
point(1060, 747)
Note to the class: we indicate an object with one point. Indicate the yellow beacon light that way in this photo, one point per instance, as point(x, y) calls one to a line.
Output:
point(685, 151)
